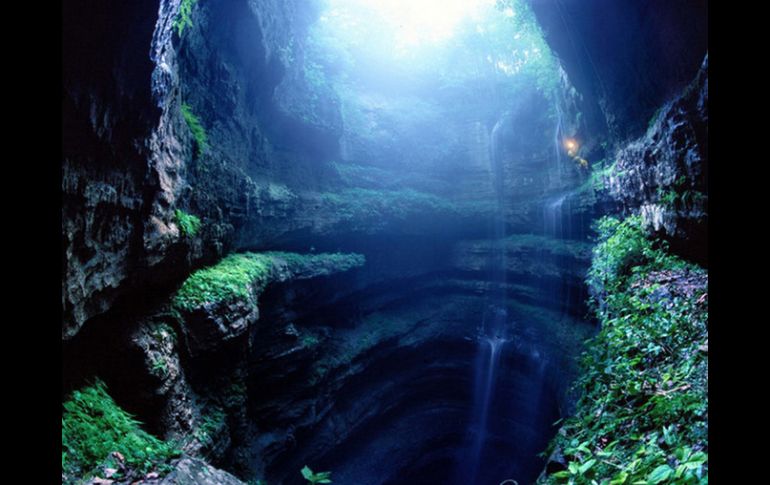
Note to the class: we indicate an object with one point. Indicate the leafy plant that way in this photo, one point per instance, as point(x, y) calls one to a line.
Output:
point(160, 367)
point(188, 223)
point(321, 477)
point(667, 198)
point(643, 412)
point(623, 245)
point(209, 424)
point(198, 132)
point(184, 17)
point(93, 427)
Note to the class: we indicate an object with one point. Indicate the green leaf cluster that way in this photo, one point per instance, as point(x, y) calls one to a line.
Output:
point(184, 17)
point(624, 249)
point(188, 223)
point(642, 416)
point(320, 477)
point(198, 132)
point(93, 427)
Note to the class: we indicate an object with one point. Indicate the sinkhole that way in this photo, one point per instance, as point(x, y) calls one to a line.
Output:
point(344, 235)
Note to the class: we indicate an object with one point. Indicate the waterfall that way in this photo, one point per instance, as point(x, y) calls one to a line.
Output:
point(493, 329)
point(557, 216)
point(489, 356)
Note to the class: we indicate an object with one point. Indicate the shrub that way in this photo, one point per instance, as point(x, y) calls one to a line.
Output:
point(643, 411)
point(624, 248)
point(93, 427)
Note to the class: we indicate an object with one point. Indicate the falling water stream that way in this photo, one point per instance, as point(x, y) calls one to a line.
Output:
point(493, 331)
point(496, 335)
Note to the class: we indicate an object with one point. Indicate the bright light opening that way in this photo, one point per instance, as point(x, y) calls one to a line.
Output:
point(411, 22)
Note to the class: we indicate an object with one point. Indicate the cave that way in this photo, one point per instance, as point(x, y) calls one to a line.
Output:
point(384, 242)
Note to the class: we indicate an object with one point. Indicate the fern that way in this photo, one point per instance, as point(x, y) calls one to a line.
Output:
point(194, 123)
point(184, 17)
point(188, 223)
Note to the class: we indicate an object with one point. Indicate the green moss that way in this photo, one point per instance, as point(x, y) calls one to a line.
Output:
point(363, 204)
point(198, 132)
point(188, 223)
point(184, 17)
point(229, 279)
point(93, 427)
point(237, 275)
point(642, 416)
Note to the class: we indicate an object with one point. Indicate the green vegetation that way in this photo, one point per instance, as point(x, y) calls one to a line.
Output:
point(242, 276)
point(678, 195)
point(667, 198)
point(93, 427)
point(366, 203)
point(625, 250)
point(188, 223)
point(209, 425)
point(503, 49)
point(160, 367)
point(184, 17)
point(228, 280)
point(198, 132)
point(320, 477)
point(642, 417)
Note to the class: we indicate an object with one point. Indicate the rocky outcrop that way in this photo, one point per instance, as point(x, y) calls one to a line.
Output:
point(130, 160)
point(108, 115)
point(664, 174)
point(625, 57)
point(193, 471)
point(219, 303)
point(527, 254)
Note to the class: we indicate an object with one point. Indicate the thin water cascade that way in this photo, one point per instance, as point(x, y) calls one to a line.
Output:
point(557, 212)
point(493, 331)
point(489, 356)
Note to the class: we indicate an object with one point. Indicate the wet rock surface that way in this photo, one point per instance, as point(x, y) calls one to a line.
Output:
point(664, 174)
